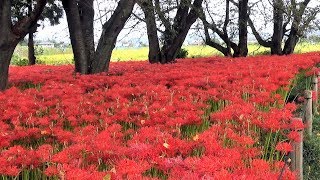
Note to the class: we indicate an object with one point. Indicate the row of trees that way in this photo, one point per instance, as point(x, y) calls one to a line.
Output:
point(168, 23)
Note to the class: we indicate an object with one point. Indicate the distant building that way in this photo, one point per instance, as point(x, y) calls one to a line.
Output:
point(45, 44)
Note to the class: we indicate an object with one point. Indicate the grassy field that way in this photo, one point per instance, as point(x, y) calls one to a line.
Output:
point(55, 56)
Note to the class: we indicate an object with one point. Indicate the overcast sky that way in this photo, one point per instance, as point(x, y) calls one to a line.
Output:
point(60, 32)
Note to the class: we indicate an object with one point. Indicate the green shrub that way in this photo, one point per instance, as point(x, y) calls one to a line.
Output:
point(38, 50)
point(311, 152)
point(183, 53)
point(19, 61)
point(311, 155)
point(264, 52)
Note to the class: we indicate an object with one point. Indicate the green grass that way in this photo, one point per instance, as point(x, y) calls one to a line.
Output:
point(53, 56)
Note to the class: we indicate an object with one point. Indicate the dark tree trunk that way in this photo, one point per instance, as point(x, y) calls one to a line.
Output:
point(224, 50)
point(76, 36)
point(223, 34)
point(87, 17)
point(31, 56)
point(11, 34)
point(6, 49)
point(7, 45)
point(236, 52)
point(243, 28)
point(110, 32)
point(5, 57)
point(256, 34)
point(154, 55)
point(182, 23)
point(225, 31)
point(277, 27)
point(294, 35)
point(291, 42)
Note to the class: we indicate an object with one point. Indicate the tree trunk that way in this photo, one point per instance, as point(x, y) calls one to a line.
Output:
point(224, 50)
point(170, 51)
point(6, 44)
point(5, 57)
point(182, 24)
point(291, 42)
point(154, 55)
point(31, 56)
point(11, 34)
point(76, 36)
point(243, 29)
point(86, 12)
point(294, 35)
point(277, 27)
point(110, 32)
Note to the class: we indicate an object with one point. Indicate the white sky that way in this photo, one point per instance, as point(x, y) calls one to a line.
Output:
point(60, 33)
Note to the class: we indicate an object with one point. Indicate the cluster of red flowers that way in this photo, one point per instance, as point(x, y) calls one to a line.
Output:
point(210, 118)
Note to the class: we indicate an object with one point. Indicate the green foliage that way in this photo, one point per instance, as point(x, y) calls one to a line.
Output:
point(19, 61)
point(29, 85)
point(156, 173)
point(311, 153)
point(265, 52)
point(299, 85)
point(183, 53)
point(311, 145)
point(38, 50)
point(29, 174)
point(52, 12)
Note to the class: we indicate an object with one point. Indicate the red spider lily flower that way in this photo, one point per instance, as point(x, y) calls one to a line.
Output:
point(11, 171)
point(51, 171)
point(129, 122)
point(294, 136)
point(284, 147)
point(296, 124)
point(129, 168)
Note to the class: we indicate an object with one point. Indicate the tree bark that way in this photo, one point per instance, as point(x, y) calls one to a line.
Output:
point(12, 34)
point(294, 34)
point(291, 42)
point(224, 50)
point(225, 31)
point(76, 36)
point(277, 27)
point(5, 57)
point(243, 29)
point(110, 32)
point(31, 56)
point(86, 18)
point(256, 34)
point(182, 23)
point(6, 43)
point(154, 55)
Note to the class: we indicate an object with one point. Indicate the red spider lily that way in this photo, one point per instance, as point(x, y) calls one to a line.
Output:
point(284, 147)
point(208, 123)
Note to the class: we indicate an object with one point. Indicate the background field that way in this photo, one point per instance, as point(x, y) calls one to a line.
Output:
point(56, 56)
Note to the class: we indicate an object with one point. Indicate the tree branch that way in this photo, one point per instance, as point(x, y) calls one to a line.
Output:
point(22, 26)
point(256, 34)
point(161, 15)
